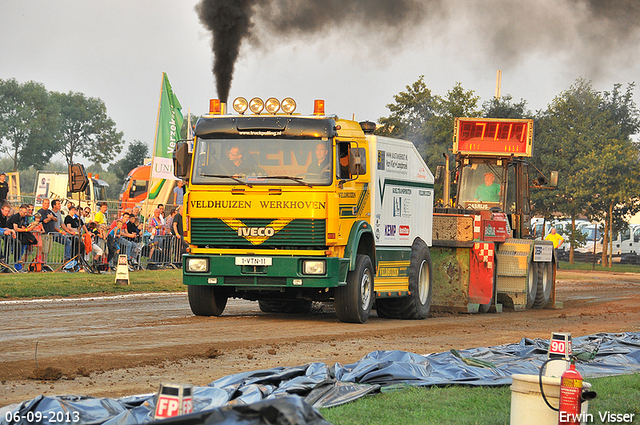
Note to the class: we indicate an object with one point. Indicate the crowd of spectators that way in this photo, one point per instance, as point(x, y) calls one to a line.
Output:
point(28, 238)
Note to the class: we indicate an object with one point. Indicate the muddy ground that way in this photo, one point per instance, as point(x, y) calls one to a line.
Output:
point(125, 345)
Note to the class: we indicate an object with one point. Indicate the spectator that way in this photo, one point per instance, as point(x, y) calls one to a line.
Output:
point(4, 188)
point(6, 238)
point(101, 216)
point(178, 193)
point(72, 227)
point(135, 212)
point(169, 222)
point(112, 241)
point(18, 222)
point(96, 235)
point(49, 225)
point(178, 231)
point(161, 208)
point(61, 231)
point(36, 228)
point(87, 214)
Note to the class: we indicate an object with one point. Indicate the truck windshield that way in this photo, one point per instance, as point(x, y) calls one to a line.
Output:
point(260, 161)
point(480, 186)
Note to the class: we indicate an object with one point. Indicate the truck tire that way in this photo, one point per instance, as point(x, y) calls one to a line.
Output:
point(207, 300)
point(418, 303)
point(545, 285)
point(532, 283)
point(354, 300)
point(285, 306)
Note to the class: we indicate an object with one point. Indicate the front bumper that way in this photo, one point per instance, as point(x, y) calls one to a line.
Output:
point(284, 272)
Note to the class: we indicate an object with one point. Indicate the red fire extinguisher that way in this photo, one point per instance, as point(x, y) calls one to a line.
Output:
point(570, 397)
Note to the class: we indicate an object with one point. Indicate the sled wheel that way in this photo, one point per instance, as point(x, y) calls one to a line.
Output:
point(545, 284)
point(532, 283)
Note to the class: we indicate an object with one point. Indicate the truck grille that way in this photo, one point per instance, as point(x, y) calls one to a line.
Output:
point(213, 232)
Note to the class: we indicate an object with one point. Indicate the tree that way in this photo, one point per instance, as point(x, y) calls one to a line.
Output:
point(86, 130)
point(504, 107)
point(409, 114)
point(28, 123)
point(136, 153)
point(585, 135)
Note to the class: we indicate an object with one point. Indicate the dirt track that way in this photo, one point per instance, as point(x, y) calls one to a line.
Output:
point(117, 346)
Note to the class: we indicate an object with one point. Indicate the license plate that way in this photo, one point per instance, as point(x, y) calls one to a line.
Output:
point(253, 261)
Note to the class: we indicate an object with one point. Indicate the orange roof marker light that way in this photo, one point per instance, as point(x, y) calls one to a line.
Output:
point(318, 107)
point(215, 107)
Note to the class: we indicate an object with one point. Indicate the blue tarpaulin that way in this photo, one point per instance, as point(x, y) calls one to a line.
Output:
point(291, 395)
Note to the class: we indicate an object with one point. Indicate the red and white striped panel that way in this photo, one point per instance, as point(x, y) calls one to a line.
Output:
point(477, 227)
point(485, 252)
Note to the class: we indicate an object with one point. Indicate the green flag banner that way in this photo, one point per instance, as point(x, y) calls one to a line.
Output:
point(167, 132)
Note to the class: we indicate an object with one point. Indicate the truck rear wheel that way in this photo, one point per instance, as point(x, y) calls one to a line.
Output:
point(418, 303)
point(532, 283)
point(207, 300)
point(354, 300)
point(285, 306)
point(545, 284)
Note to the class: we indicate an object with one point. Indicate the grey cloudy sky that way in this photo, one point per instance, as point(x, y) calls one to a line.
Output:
point(354, 54)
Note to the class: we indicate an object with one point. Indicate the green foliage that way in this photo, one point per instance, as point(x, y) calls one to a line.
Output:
point(136, 153)
point(427, 120)
point(29, 123)
point(86, 130)
point(505, 108)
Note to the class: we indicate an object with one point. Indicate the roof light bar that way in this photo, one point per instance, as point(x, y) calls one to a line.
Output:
point(288, 105)
point(240, 105)
point(272, 105)
point(256, 105)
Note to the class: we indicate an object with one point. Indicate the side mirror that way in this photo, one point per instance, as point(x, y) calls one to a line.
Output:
point(78, 179)
point(181, 160)
point(553, 179)
point(357, 162)
point(439, 177)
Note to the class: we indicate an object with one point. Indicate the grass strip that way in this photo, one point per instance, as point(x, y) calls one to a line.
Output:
point(43, 285)
point(458, 404)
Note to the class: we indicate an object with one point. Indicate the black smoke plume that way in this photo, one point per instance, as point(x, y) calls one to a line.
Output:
point(229, 22)
point(233, 21)
point(588, 35)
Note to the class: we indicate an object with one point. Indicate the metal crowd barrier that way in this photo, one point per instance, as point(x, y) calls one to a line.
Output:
point(58, 252)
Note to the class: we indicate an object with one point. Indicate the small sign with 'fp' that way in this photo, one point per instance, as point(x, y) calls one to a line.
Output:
point(173, 400)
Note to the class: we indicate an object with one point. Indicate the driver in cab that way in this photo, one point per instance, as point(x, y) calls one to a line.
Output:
point(321, 164)
point(489, 191)
point(237, 165)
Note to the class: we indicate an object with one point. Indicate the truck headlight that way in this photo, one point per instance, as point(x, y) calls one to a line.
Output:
point(197, 265)
point(314, 267)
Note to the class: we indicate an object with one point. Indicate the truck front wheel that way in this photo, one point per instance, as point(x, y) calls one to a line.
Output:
point(207, 300)
point(353, 302)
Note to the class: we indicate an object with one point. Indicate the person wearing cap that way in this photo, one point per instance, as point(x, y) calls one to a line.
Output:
point(489, 191)
point(4, 188)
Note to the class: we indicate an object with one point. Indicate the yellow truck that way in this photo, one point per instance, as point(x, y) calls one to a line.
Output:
point(289, 209)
